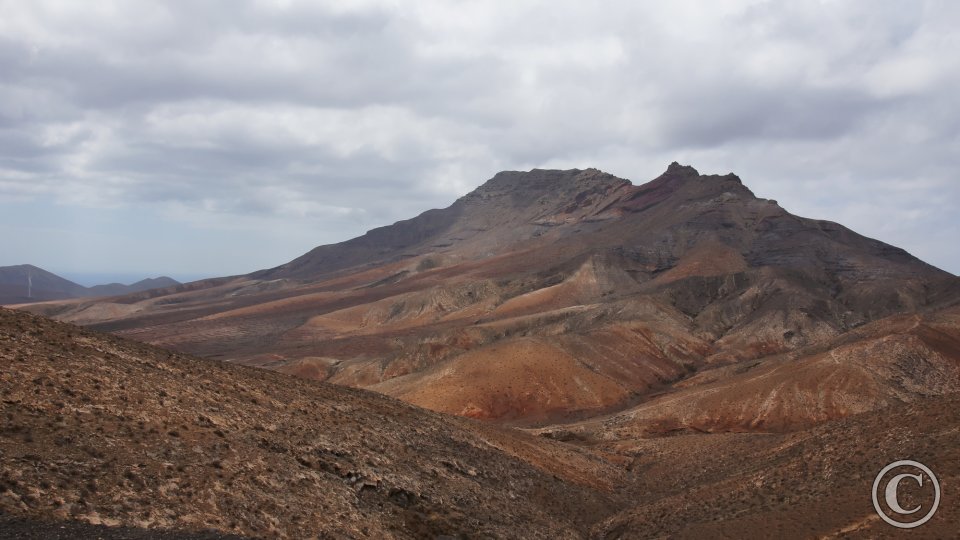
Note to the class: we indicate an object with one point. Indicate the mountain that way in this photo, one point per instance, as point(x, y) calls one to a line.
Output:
point(117, 289)
point(27, 283)
point(555, 296)
point(110, 438)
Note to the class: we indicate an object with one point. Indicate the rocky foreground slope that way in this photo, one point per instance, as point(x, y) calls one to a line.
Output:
point(110, 431)
point(105, 437)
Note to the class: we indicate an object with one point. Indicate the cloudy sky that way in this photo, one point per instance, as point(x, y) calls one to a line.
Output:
point(210, 138)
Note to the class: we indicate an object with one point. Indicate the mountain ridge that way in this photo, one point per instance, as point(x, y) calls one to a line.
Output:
point(521, 189)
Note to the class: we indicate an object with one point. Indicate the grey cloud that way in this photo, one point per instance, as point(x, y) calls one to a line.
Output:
point(345, 119)
point(739, 113)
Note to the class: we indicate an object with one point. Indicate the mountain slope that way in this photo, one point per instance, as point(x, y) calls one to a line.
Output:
point(814, 483)
point(111, 431)
point(899, 359)
point(508, 208)
point(600, 292)
point(97, 430)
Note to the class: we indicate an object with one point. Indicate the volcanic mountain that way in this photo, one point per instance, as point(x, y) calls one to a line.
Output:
point(553, 296)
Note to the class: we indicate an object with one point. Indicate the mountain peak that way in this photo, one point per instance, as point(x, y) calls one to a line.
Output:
point(683, 182)
point(546, 178)
point(525, 187)
point(677, 169)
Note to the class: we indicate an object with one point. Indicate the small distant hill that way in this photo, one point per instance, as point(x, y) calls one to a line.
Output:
point(27, 283)
point(116, 289)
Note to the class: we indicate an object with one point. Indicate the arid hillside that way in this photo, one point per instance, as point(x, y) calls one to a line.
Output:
point(896, 360)
point(109, 438)
point(814, 483)
point(552, 296)
point(109, 431)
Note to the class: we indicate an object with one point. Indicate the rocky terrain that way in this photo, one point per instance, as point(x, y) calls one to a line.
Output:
point(896, 360)
point(813, 483)
point(104, 437)
point(107, 431)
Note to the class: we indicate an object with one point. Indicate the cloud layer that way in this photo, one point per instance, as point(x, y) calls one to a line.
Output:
point(224, 136)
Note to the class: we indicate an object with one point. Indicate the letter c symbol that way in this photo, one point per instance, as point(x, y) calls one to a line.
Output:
point(891, 492)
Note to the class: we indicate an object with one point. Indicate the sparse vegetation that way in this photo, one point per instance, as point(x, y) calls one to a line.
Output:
point(263, 470)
